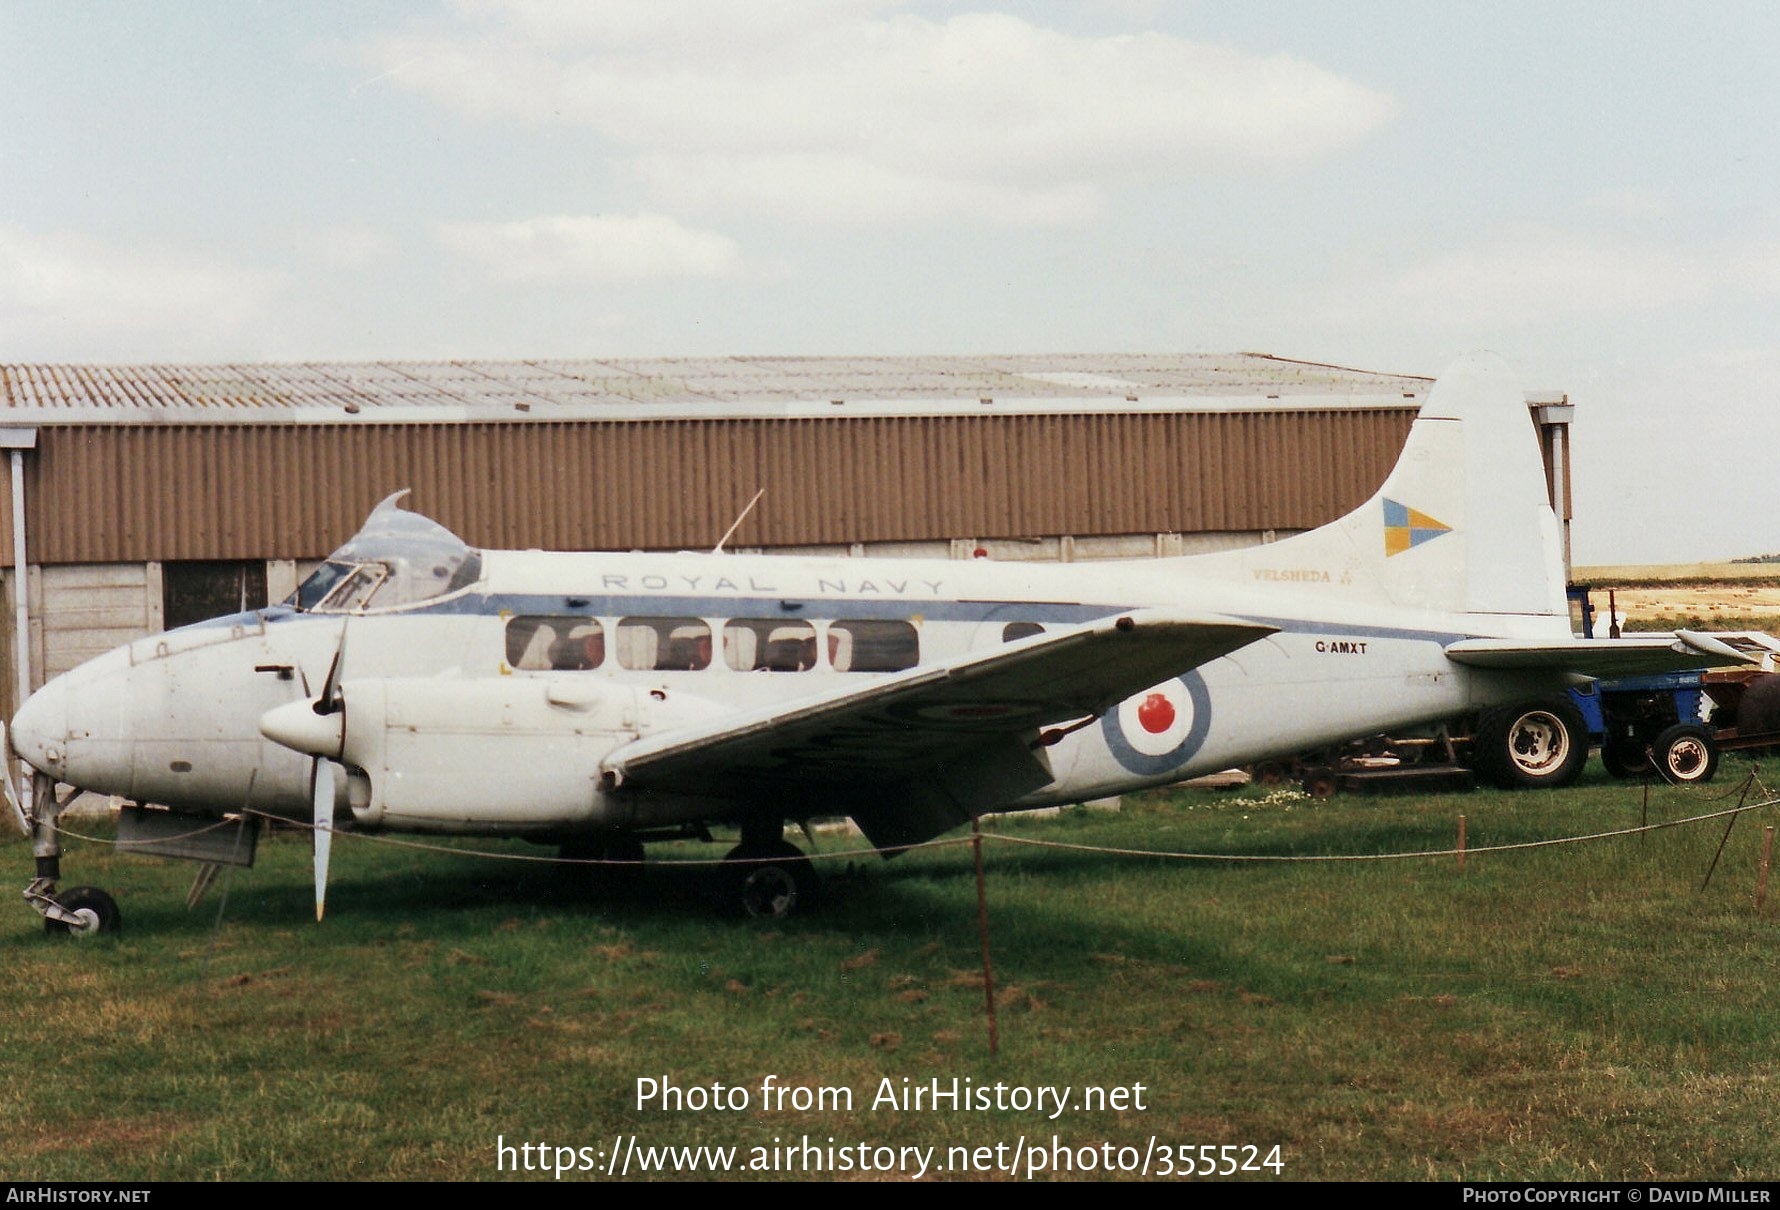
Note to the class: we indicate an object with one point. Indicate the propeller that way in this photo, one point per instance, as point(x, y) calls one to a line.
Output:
point(331, 702)
point(318, 729)
point(323, 777)
point(6, 783)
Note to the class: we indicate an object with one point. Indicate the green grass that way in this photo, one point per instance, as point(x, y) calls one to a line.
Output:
point(1573, 1013)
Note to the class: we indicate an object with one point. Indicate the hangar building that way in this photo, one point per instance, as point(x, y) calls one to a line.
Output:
point(144, 497)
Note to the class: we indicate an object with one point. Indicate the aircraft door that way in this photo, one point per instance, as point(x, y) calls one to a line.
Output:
point(1005, 624)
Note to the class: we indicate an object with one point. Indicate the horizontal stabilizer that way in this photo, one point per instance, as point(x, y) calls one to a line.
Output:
point(1634, 655)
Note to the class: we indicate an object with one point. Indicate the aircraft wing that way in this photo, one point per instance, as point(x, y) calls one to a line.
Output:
point(1633, 655)
point(917, 753)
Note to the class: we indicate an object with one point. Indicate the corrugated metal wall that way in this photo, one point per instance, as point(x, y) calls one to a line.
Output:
point(120, 492)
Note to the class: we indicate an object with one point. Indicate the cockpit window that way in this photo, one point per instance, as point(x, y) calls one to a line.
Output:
point(321, 581)
point(397, 558)
point(356, 589)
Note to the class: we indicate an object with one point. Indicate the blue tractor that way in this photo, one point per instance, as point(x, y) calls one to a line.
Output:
point(1673, 725)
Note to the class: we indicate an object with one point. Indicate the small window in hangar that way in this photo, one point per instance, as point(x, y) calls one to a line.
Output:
point(195, 590)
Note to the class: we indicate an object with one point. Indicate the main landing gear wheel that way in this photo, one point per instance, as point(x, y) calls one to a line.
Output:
point(1535, 744)
point(768, 880)
point(95, 912)
point(1685, 754)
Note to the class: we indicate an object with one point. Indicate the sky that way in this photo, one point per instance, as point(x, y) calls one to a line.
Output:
point(1591, 190)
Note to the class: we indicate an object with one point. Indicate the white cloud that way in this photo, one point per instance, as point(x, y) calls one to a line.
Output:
point(840, 111)
point(346, 246)
point(605, 247)
point(1514, 279)
point(1528, 275)
point(63, 293)
point(849, 188)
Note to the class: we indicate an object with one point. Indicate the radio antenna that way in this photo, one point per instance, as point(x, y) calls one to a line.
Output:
point(743, 516)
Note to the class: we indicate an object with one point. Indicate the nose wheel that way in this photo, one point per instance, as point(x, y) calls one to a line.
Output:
point(82, 911)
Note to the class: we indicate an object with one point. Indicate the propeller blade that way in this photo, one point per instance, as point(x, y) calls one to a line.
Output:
point(12, 794)
point(329, 701)
point(324, 831)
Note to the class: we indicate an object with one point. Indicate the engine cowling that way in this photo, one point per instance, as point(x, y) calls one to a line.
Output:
point(498, 754)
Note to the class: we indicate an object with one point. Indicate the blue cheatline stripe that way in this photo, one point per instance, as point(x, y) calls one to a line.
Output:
point(824, 608)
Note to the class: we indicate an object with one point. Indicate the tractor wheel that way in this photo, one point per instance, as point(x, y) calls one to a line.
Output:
point(1624, 757)
point(1686, 755)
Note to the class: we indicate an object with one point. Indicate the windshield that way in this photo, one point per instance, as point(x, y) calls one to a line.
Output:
point(396, 558)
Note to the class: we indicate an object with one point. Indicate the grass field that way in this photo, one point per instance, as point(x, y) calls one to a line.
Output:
point(1573, 1012)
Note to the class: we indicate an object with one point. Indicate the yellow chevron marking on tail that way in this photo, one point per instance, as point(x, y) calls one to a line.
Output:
point(1405, 528)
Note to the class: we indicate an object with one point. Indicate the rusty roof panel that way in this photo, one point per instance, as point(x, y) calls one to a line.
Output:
point(636, 388)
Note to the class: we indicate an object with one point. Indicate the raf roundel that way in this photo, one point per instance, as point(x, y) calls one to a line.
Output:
point(1161, 728)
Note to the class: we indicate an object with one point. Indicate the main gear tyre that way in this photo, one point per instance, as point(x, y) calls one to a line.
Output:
point(1540, 744)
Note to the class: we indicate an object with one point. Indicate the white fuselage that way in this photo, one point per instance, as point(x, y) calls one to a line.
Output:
point(174, 719)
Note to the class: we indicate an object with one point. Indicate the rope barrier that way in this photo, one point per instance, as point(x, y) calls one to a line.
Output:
point(1470, 850)
point(960, 841)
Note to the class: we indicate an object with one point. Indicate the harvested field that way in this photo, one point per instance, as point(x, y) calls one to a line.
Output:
point(1717, 596)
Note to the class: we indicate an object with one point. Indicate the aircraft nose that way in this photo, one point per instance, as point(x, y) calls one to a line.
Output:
point(40, 729)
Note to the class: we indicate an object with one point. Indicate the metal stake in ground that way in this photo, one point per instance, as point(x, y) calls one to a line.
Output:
point(976, 844)
point(1761, 880)
point(1729, 824)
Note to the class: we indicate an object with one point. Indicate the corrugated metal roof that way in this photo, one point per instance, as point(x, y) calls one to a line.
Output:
point(666, 388)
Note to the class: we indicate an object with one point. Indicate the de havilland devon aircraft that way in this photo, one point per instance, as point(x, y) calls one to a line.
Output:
point(600, 701)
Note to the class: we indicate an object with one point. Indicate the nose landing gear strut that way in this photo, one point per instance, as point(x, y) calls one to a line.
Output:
point(81, 911)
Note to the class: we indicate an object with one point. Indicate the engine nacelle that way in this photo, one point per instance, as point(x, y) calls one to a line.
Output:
point(497, 754)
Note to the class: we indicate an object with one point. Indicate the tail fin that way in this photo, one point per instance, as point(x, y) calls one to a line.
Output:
point(1463, 523)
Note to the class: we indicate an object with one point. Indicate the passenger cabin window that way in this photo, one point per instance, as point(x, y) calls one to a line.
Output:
point(1020, 630)
point(553, 643)
point(769, 645)
point(664, 644)
point(873, 646)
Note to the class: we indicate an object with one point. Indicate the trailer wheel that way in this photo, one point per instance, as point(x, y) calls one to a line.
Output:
point(1543, 744)
point(1685, 754)
point(1272, 774)
point(1758, 710)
